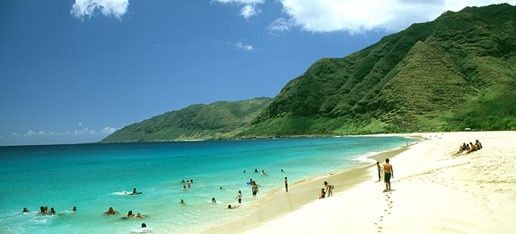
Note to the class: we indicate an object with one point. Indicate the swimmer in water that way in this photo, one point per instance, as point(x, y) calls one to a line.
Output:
point(182, 202)
point(74, 209)
point(129, 214)
point(213, 200)
point(135, 192)
point(25, 210)
point(52, 211)
point(139, 216)
point(111, 211)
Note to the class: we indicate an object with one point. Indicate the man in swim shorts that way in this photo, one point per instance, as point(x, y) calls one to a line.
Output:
point(387, 172)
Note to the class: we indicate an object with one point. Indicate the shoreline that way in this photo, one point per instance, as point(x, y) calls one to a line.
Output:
point(278, 202)
point(436, 190)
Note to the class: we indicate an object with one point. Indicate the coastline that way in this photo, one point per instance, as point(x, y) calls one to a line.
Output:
point(279, 202)
point(434, 191)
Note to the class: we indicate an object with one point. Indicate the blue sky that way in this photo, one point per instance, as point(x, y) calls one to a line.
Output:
point(74, 71)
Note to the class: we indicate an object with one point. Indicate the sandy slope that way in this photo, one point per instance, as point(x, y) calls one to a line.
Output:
point(434, 192)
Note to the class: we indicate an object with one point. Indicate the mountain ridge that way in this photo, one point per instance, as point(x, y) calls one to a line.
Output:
point(456, 72)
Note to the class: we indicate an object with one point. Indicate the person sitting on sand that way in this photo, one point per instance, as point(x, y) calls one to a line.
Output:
point(387, 173)
point(111, 211)
point(478, 144)
point(329, 189)
point(322, 194)
point(472, 148)
point(213, 200)
point(232, 207)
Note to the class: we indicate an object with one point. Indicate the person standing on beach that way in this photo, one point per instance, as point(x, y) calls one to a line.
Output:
point(379, 170)
point(254, 188)
point(388, 173)
point(329, 189)
point(239, 197)
point(286, 184)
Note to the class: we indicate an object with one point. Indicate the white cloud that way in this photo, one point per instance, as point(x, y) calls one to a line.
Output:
point(248, 11)
point(249, 7)
point(244, 47)
point(87, 8)
point(280, 25)
point(108, 130)
point(357, 16)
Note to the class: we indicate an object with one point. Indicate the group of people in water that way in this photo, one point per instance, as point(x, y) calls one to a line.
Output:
point(187, 184)
point(43, 210)
point(468, 148)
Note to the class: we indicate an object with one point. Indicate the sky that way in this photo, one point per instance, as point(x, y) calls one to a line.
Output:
point(74, 71)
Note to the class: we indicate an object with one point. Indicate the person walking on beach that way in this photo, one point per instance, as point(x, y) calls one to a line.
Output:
point(329, 189)
point(379, 170)
point(388, 173)
point(239, 197)
point(286, 184)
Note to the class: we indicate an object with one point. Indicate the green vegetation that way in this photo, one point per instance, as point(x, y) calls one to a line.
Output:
point(456, 72)
point(449, 74)
point(216, 120)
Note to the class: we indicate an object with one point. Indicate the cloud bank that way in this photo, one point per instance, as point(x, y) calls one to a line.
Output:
point(357, 16)
point(87, 8)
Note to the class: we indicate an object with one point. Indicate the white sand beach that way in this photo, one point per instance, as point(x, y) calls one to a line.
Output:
point(434, 191)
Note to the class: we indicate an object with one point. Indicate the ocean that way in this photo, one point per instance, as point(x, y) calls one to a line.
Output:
point(93, 177)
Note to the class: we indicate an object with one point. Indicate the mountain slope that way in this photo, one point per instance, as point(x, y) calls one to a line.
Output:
point(455, 72)
point(217, 120)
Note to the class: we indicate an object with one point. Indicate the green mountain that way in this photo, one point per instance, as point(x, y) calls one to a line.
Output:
point(217, 120)
point(456, 72)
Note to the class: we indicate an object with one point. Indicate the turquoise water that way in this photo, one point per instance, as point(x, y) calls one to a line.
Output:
point(94, 177)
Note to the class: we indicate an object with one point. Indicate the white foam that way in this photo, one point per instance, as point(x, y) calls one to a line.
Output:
point(141, 230)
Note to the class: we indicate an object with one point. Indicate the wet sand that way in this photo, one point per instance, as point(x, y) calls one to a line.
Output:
point(279, 202)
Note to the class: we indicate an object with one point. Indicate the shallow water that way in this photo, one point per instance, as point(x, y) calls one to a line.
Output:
point(94, 177)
